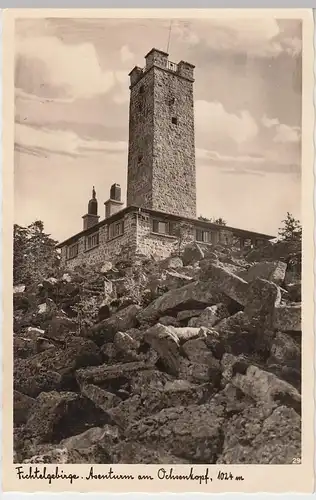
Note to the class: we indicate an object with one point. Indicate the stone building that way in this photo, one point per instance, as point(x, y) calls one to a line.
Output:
point(160, 213)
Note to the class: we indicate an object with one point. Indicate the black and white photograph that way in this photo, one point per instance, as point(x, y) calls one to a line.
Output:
point(157, 235)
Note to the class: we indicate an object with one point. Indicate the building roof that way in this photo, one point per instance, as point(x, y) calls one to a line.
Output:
point(243, 233)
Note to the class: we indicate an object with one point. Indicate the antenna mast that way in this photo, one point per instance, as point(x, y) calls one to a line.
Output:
point(169, 36)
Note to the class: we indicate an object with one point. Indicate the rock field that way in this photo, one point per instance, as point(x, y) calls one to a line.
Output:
point(159, 362)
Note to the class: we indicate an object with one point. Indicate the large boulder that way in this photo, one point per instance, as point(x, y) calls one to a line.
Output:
point(22, 405)
point(288, 318)
point(122, 320)
point(104, 374)
point(270, 271)
point(192, 253)
point(262, 435)
point(192, 296)
point(210, 316)
point(226, 282)
point(164, 340)
point(53, 369)
point(55, 416)
point(102, 399)
point(193, 432)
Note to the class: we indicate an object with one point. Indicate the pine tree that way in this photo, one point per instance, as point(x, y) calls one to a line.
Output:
point(291, 229)
point(35, 254)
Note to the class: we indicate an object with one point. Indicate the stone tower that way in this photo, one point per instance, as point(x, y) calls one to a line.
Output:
point(161, 154)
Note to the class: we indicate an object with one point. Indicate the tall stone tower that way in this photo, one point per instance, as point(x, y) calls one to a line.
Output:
point(161, 154)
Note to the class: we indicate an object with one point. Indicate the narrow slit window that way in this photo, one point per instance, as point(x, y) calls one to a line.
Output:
point(174, 120)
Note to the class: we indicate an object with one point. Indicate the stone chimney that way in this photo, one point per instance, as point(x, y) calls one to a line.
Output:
point(92, 217)
point(114, 203)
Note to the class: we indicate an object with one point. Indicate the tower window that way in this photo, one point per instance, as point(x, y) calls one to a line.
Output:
point(174, 120)
point(140, 157)
point(141, 89)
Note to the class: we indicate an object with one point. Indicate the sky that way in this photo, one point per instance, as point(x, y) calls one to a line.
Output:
point(72, 104)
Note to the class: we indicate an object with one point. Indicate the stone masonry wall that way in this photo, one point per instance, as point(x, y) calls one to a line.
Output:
point(106, 248)
point(140, 148)
point(174, 175)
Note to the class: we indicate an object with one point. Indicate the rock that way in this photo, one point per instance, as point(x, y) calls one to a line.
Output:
point(32, 380)
point(22, 406)
point(19, 289)
point(168, 321)
point(106, 267)
point(122, 320)
point(210, 316)
point(104, 311)
point(145, 381)
point(56, 416)
point(285, 351)
point(66, 278)
point(192, 253)
point(194, 295)
point(92, 436)
point(262, 435)
point(197, 351)
point(102, 399)
point(174, 280)
point(236, 335)
point(76, 353)
point(274, 251)
point(172, 263)
point(60, 327)
point(186, 315)
point(135, 453)
point(163, 340)
point(264, 386)
point(192, 433)
point(42, 308)
point(55, 456)
point(104, 373)
point(263, 297)
point(200, 373)
point(295, 291)
point(226, 282)
point(185, 333)
point(270, 271)
point(288, 318)
point(26, 347)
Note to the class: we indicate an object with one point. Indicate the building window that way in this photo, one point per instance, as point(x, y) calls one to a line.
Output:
point(164, 227)
point(73, 251)
point(174, 120)
point(116, 229)
point(92, 241)
point(141, 89)
point(140, 157)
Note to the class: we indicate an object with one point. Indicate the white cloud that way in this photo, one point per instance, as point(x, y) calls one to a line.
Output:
point(74, 67)
point(219, 124)
point(282, 133)
point(259, 37)
point(285, 134)
point(62, 142)
point(126, 54)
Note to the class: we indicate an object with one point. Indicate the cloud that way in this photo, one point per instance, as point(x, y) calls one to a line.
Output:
point(245, 164)
point(260, 37)
point(213, 118)
point(126, 54)
point(282, 133)
point(75, 68)
point(43, 142)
